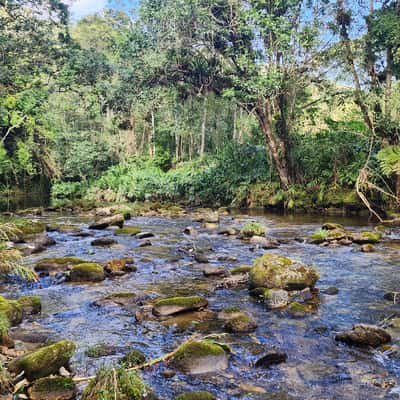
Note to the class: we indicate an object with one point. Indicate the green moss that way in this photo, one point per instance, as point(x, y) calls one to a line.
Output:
point(231, 310)
point(190, 301)
point(197, 349)
point(133, 358)
point(45, 361)
point(61, 261)
point(4, 325)
point(196, 396)
point(319, 236)
point(32, 303)
point(128, 230)
point(339, 197)
point(367, 237)
point(45, 385)
point(115, 383)
point(329, 226)
point(12, 310)
point(253, 229)
point(241, 324)
point(243, 269)
point(87, 272)
point(99, 350)
point(28, 227)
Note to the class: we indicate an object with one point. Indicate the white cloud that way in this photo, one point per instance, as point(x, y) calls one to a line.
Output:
point(81, 8)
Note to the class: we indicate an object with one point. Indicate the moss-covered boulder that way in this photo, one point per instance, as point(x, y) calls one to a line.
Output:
point(12, 310)
point(329, 235)
point(253, 229)
point(57, 264)
point(200, 357)
point(196, 396)
point(367, 237)
point(242, 323)
point(55, 388)
point(101, 350)
point(330, 226)
point(128, 231)
point(176, 305)
point(133, 358)
point(298, 310)
point(87, 272)
point(30, 304)
point(274, 271)
point(43, 362)
point(28, 228)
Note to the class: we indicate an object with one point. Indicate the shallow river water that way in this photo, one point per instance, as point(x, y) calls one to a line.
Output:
point(317, 367)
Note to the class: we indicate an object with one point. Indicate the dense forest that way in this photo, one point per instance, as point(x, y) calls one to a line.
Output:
point(199, 200)
point(269, 104)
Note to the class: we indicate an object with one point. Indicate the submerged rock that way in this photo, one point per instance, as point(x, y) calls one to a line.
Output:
point(145, 235)
point(103, 223)
point(201, 258)
point(200, 357)
point(364, 335)
point(176, 305)
point(271, 358)
point(196, 396)
point(128, 230)
point(124, 299)
point(191, 231)
point(252, 229)
point(104, 241)
point(331, 291)
point(210, 270)
point(55, 388)
point(277, 272)
point(87, 272)
point(45, 361)
point(242, 323)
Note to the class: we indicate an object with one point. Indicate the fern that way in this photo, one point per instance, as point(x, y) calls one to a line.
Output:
point(389, 160)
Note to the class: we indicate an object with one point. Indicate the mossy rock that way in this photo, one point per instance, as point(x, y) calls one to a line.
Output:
point(275, 298)
point(229, 313)
point(298, 310)
point(101, 350)
point(5, 339)
point(273, 271)
point(176, 305)
point(12, 310)
point(253, 229)
point(28, 227)
point(133, 359)
point(57, 264)
point(196, 396)
point(45, 361)
point(329, 235)
point(330, 226)
point(128, 230)
point(30, 304)
point(55, 388)
point(243, 269)
point(62, 228)
point(242, 323)
point(87, 272)
point(367, 237)
point(200, 357)
point(117, 383)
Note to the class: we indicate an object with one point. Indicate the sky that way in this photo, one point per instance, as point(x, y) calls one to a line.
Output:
point(81, 8)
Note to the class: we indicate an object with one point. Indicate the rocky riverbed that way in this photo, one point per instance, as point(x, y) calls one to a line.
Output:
point(277, 309)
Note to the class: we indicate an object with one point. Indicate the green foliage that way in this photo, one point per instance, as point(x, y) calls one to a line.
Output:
point(389, 160)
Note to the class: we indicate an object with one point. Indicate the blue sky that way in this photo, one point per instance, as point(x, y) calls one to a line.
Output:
point(81, 8)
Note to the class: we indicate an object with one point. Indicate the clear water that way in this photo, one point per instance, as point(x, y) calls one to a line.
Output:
point(317, 366)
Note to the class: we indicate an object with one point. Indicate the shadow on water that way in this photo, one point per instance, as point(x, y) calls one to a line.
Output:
point(317, 366)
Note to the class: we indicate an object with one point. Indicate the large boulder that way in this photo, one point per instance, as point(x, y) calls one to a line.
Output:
point(176, 305)
point(43, 362)
point(200, 357)
point(58, 264)
point(103, 223)
point(87, 272)
point(55, 388)
point(277, 272)
point(364, 335)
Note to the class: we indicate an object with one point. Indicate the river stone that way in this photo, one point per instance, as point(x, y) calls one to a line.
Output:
point(276, 298)
point(366, 237)
point(43, 362)
point(242, 323)
point(330, 226)
point(211, 217)
point(30, 304)
point(176, 305)
point(103, 223)
point(263, 242)
point(104, 241)
point(59, 264)
point(364, 335)
point(116, 266)
point(368, 248)
point(393, 297)
point(191, 231)
point(145, 235)
point(277, 272)
point(228, 231)
point(271, 358)
point(331, 291)
point(87, 272)
point(200, 357)
point(210, 270)
point(57, 388)
point(253, 229)
point(229, 313)
point(201, 258)
point(196, 396)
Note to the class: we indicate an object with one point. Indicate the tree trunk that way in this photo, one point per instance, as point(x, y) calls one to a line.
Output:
point(152, 144)
point(203, 128)
point(275, 146)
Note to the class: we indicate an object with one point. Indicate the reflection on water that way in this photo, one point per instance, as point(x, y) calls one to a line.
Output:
point(317, 366)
